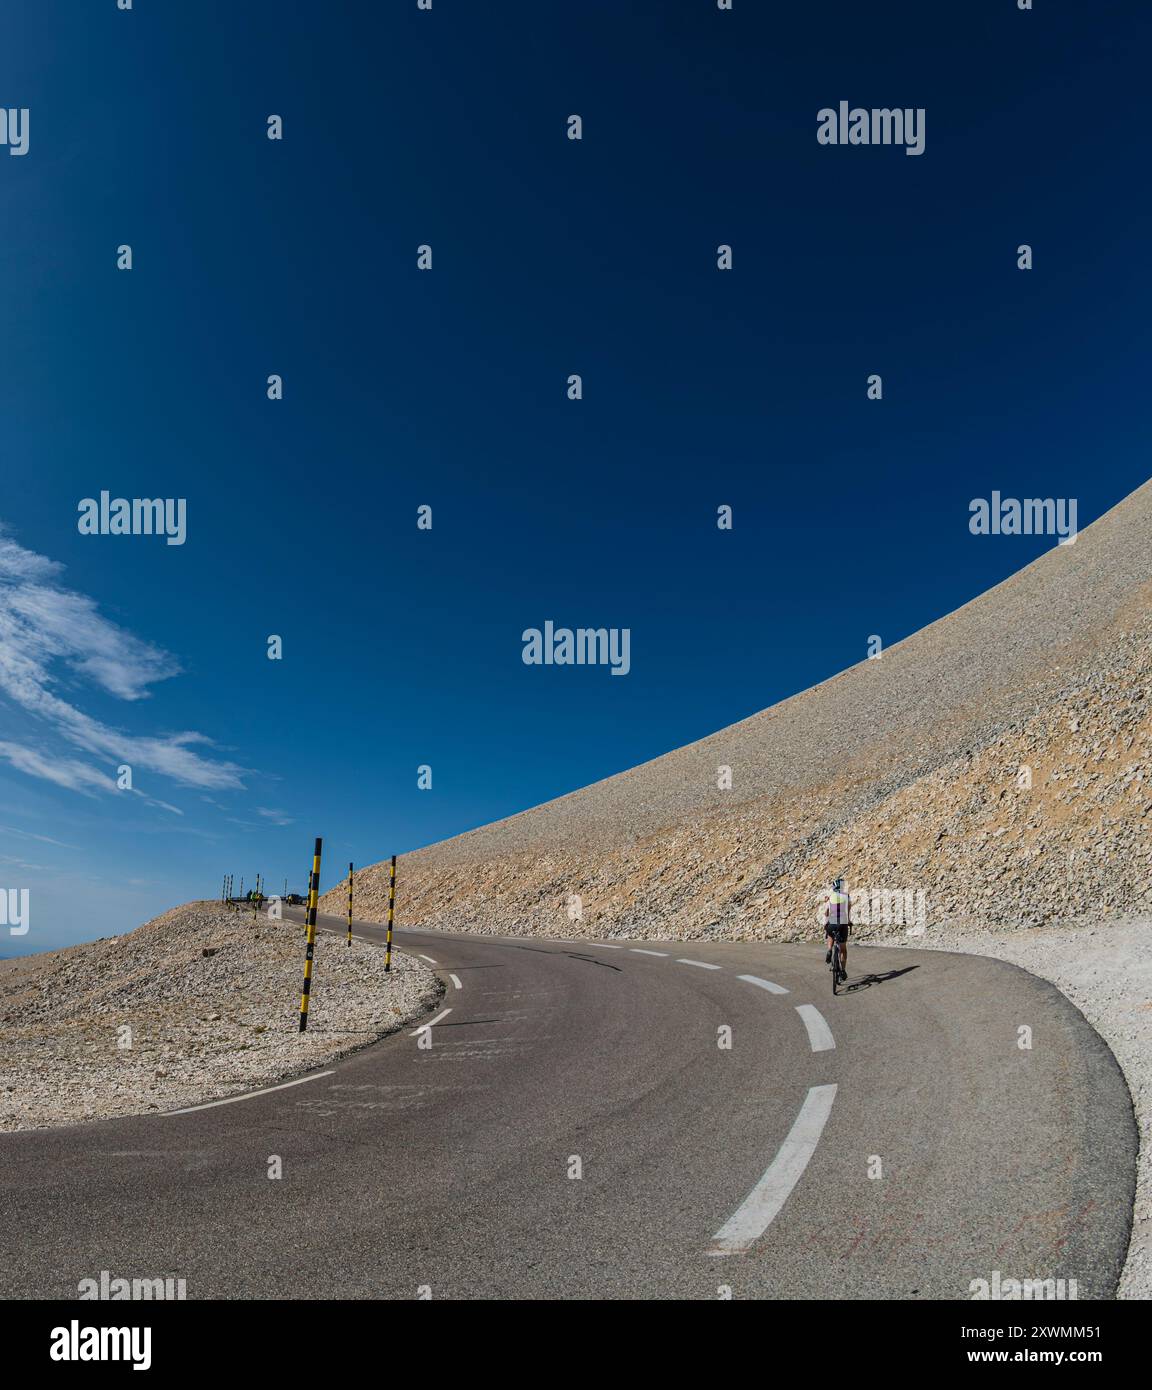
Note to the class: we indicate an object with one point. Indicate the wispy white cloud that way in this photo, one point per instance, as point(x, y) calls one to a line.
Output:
point(276, 817)
point(29, 835)
point(64, 772)
point(45, 628)
point(22, 863)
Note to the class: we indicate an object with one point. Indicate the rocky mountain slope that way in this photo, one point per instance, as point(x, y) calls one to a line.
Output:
point(197, 1004)
point(991, 770)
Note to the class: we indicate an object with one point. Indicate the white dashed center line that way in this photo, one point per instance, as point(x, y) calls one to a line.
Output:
point(764, 984)
point(430, 959)
point(640, 951)
point(703, 964)
point(250, 1095)
point(456, 981)
point(417, 1031)
point(819, 1034)
point(757, 1211)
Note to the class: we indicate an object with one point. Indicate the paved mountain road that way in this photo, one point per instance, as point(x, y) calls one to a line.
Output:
point(448, 1167)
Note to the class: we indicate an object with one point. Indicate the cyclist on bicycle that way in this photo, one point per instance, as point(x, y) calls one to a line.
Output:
point(836, 912)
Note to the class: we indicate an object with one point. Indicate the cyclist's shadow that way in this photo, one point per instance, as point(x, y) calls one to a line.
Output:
point(867, 981)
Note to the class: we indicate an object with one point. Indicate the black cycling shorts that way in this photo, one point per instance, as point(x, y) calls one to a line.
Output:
point(839, 934)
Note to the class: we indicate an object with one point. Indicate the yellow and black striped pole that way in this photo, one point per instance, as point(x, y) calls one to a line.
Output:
point(349, 904)
point(310, 922)
point(256, 899)
point(391, 913)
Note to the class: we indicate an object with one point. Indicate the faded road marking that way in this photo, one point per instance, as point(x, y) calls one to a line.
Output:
point(456, 981)
point(757, 1211)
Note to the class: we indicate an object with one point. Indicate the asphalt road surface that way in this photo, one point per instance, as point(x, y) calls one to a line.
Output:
point(577, 1129)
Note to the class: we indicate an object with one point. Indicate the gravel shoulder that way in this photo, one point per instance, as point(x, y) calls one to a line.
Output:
point(1106, 971)
point(199, 1004)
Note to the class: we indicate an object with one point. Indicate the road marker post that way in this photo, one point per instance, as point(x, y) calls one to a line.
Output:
point(391, 911)
point(305, 908)
point(256, 899)
point(349, 904)
point(310, 920)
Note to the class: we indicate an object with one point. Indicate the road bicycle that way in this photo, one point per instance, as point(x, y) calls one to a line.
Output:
point(838, 975)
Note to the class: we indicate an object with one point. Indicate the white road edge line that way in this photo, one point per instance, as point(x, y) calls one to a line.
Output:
point(430, 959)
point(703, 964)
point(249, 1095)
point(640, 951)
point(456, 981)
point(764, 984)
point(417, 1031)
point(758, 1210)
point(819, 1034)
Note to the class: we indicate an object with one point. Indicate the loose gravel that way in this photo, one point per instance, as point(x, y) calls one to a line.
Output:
point(997, 765)
point(199, 1004)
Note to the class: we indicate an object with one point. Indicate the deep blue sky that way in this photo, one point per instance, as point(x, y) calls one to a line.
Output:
point(449, 388)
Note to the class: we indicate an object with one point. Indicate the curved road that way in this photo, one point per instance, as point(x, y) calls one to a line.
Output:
point(895, 1142)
